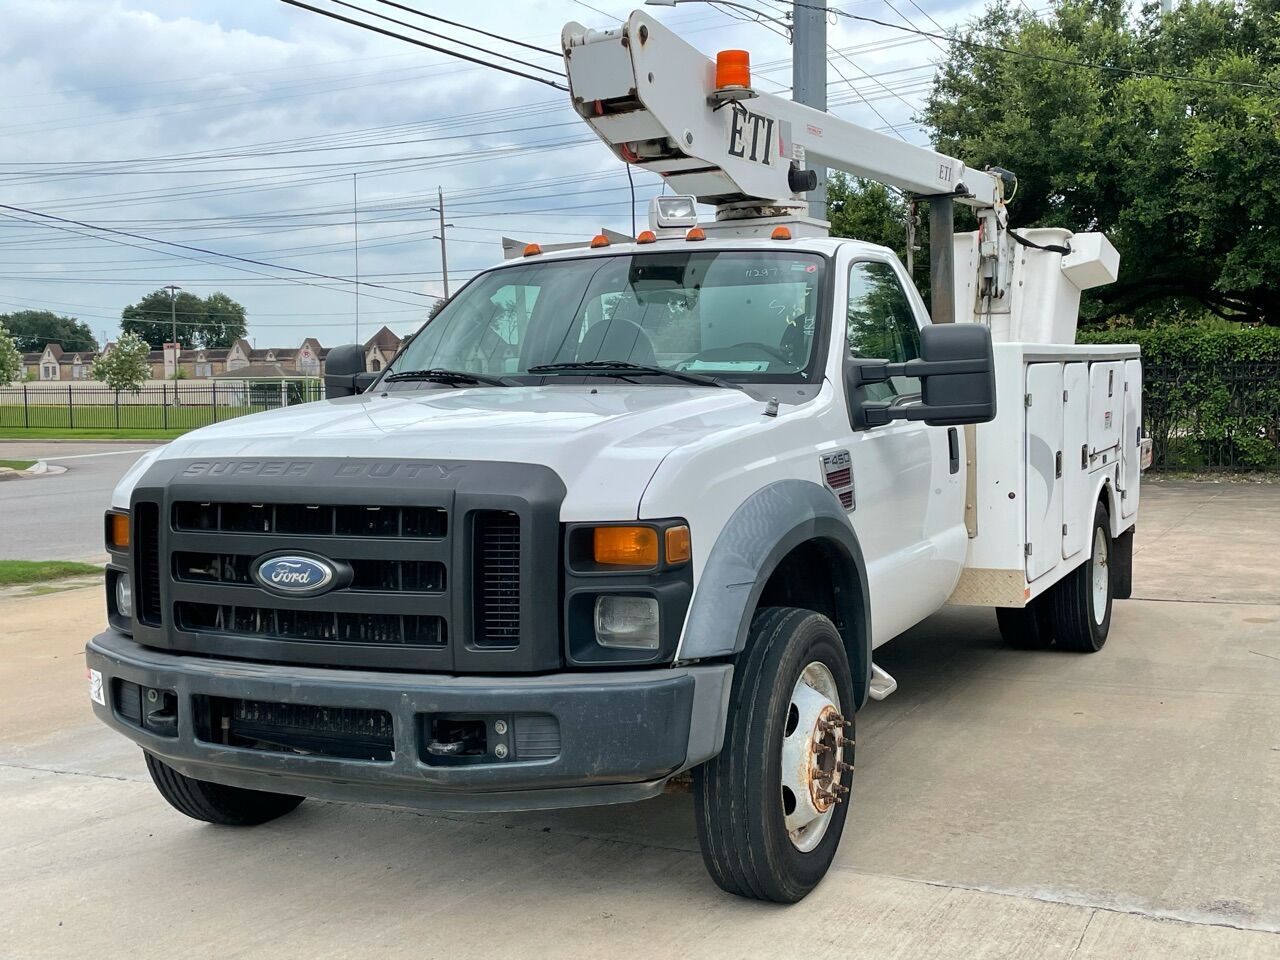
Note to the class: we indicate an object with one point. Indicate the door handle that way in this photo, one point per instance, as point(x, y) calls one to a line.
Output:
point(953, 447)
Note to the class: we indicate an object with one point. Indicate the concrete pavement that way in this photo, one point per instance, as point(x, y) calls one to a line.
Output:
point(60, 517)
point(1007, 804)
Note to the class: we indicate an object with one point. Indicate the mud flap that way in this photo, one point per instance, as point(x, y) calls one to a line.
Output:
point(1122, 565)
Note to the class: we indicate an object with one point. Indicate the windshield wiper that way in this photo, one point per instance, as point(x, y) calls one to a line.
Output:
point(613, 368)
point(454, 378)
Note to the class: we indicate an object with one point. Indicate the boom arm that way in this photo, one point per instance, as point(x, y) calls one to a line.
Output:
point(652, 98)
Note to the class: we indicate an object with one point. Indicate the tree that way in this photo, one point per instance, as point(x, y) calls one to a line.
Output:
point(10, 358)
point(213, 322)
point(33, 329)
point(870, 211)
point(126, 366)
point(1183, 176)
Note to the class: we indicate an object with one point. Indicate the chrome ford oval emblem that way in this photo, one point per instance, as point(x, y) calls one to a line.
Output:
point(295, 574)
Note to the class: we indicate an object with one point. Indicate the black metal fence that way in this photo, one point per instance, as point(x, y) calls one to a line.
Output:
point(176, 406)
point(1224, 417)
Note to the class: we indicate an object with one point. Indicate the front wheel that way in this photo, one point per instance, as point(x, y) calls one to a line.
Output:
point(216, 802)
point(771, 807)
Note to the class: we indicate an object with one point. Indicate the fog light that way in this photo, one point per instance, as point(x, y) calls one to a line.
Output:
point(628, 623)
point(124, 596)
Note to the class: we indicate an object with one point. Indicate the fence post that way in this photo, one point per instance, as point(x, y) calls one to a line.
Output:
point(164, 407)
point(117, 409)
point(71, 410)
point(214, 395)
point(26, 409)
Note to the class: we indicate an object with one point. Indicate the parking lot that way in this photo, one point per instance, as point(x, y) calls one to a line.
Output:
point(1006, 804)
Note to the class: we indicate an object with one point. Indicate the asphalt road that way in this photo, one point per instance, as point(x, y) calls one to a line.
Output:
point(1007, 804)
point(59, 517)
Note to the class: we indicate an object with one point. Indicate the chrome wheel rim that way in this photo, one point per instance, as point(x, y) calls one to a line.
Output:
point(1101, 575)
point(813, 751)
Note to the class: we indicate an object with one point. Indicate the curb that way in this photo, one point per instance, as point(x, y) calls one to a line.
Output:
point(112, 440)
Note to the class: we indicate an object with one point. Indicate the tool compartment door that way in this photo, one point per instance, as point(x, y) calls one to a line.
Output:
point(1075, 458)
point(1106, 411)
point(1043, 468)
point(1131, 439)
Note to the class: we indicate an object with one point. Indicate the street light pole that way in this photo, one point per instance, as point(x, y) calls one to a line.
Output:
point(173, 289)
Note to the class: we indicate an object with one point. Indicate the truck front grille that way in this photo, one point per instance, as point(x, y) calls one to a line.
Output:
point(146, 535)
point(452, 567)
point(497, 578)
point(312, 625)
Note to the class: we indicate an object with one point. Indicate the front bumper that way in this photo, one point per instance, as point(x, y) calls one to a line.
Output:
point(622, 735)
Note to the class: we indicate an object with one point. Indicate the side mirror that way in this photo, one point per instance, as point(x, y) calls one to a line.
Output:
point(344, 373)
point(957, 375)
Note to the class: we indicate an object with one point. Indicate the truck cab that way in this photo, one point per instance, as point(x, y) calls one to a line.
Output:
point(616, 513)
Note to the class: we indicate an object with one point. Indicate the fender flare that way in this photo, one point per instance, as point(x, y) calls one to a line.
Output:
point(766, 527)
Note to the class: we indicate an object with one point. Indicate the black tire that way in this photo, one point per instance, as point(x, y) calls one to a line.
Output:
point(737, 795)
point(215, 802)
point(1078, 626)
point(1030, 627)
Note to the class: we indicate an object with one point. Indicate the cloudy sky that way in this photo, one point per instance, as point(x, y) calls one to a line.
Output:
point(250, 127)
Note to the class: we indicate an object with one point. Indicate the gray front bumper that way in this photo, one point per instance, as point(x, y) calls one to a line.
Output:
point(623, 734)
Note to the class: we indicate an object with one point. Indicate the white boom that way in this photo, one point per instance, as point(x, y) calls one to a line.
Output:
point(654, 100)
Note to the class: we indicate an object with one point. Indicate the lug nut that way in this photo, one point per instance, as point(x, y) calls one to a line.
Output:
point(499, 727)
point(500, 751)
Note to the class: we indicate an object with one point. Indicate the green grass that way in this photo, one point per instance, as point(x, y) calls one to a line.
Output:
point(62, 433)
point(16, 572)
point(17, 464)
point(134, 418)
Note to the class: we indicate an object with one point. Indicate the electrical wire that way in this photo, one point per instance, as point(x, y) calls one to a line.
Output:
point(421, 43)
point(464, 26)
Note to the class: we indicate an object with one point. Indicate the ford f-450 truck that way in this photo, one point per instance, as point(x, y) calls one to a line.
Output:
point(632, 509)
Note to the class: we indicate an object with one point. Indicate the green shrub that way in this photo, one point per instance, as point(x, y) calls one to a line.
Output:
point(1211, 397)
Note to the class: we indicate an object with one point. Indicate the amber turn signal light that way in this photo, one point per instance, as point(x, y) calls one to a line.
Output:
point(697, 233)
point(647, 236)
point(626, 546)
point(678, 548)
point(781, 233)
point(532, 249)
point(118, 530)
point(599, 240)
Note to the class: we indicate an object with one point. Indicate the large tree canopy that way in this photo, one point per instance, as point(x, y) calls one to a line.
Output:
point(1183, 176)
point(210, 322)
point(33, 329)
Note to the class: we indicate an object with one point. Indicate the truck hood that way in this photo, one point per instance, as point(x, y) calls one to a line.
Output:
point(605, 442)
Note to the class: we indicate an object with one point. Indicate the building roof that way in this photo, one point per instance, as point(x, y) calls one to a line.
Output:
point(55, 349)
point(384, 340)
point(260, 371)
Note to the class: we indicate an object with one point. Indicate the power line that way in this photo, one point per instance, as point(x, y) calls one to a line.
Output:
point(421, 43)
point(59, 223)
point(454, 23)
point(445, 36)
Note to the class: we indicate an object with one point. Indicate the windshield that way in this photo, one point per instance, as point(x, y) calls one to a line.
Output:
point(729, 314)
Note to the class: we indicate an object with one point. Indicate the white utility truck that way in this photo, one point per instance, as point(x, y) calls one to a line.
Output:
point(630, 509)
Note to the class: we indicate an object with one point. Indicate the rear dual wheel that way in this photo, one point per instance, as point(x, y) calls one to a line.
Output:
point(1075, 613)
point(771, 807)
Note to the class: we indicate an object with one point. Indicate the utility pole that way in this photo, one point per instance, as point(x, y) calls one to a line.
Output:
point(444, 251)
point(173, 289)
point(809, 80)
point(355, 232)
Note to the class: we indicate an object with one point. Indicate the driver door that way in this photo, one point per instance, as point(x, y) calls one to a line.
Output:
point(909, 488)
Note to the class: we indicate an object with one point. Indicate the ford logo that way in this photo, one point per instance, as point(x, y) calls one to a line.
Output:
point(296, 575)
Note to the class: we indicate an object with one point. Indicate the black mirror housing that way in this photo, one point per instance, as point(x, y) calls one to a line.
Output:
point(957, 375)
point(344, 373)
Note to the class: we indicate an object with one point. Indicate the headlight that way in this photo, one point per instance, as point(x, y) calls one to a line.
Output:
point(124, 595)
point(626, 622)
